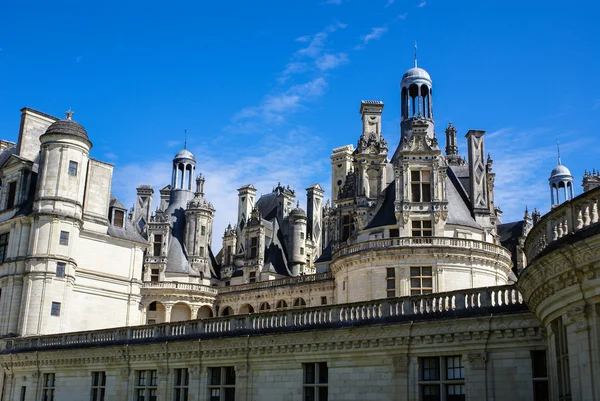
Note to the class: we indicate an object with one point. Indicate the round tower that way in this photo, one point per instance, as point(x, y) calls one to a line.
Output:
point(58, 209)
point(298, 220)
point(199, 216)
point(416, 99)
point(561, 182)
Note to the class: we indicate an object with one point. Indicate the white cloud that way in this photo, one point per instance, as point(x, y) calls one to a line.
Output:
point(330, 61)
point(375, 33)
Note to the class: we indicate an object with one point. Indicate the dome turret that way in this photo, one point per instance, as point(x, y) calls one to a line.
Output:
point(67, 127)
point(560, 181)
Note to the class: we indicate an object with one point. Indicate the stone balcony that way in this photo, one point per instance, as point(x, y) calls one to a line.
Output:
point(176, 286)
point(425, 242)
point(309, 278)
point(456, 304)
point(565, 220)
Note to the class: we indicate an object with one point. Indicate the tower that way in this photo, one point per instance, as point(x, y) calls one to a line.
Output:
point(246, 196)
point(297, 233)
point(199, 216)
point(314, 206)
point(416, 100)
point(143, 207)
point(561, 182)
point(452, 156)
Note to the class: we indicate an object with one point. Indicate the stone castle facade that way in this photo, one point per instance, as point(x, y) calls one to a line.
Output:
point(406, 284)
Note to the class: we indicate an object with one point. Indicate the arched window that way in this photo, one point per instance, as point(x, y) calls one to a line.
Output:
point(265, 306)
point(299, 302)
point(281, 304)
point(227, 311)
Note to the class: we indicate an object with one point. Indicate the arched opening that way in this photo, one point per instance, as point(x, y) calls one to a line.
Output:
point(425, 100)
point(155, 313)
point(264, 306)
point(281, 304)
point(227, 311)
point(413, 93)
point(180, 312)
point(181, 175)
point(404, 96)
point(299, 302)
point(246, 309)
point(205, 312)
point(188, 177)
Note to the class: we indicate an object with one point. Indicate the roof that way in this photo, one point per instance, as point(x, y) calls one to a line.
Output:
point(6, 154)
point(459, 212)
point(128, 232)
point(67, 127)
point(416, 73)
point(509, 234)
point(114, 202)
point(386, 215)
point(560, 171)
point(185, 154)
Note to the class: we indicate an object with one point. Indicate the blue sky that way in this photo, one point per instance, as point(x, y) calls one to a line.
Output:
point(266, 89)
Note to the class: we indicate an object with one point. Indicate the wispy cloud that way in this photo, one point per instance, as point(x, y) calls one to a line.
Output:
point(375, 33)
point(389, 3)
point(422, 4)
point(330, 61)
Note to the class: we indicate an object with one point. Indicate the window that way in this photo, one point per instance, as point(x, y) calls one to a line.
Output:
point(146, 385)
point(421, 228)
point(301, 235)
point(323, 300)
point(540, 376)
point(3, 247)
point(98, 386)
point(253, 247)
point(347, 227)
point(315, 381)
point(221, 384)
point(152, 307)
point(48, 387)
point(394, 232)
point(201, 252)
point(157, 244)
point(299, 302)
point(252, 277)
point(180, 387)
point(55, 309)
point(442, 378)
point(421, 280)
point(154, 275)
point(390, 274)
point(562, 360)
point(60, 269)
point(12, 193)
point(227, 283)
point(264, 306)
point(118, 218)
point(202, 230)
point(228, 255)
point(301, 251)
point(420, 186)
point(281, 304)
point(64, 238)
point(23, 391)
point(72, 167)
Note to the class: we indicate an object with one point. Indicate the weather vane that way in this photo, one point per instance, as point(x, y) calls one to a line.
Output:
point(415, 54)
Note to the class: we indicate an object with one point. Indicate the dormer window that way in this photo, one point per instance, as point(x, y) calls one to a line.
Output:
point(118, 218)
point(12, 193)
point(157, 244)
point(72, 167)
point(253, 247)
point(420, 185)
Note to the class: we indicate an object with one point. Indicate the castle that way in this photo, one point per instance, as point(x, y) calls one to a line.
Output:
point(406, 283)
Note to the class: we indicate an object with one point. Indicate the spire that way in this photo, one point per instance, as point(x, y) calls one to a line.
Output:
point(69, 114)
point(185, 138)
point(415, 54)
point(558, 150)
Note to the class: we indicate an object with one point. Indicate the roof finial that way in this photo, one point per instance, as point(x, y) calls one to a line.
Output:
point(558, 149)
point(69, 114)
point(415, 54)
point(185, 139)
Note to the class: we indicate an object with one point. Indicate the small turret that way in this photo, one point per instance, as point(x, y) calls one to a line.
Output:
point(591, 180)
point(229, 242)
point(297, 237)
point(561, 182)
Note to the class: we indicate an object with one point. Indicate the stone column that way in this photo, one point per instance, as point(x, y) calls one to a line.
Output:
point(198, 382)
point(475, 375)
point(168, 308)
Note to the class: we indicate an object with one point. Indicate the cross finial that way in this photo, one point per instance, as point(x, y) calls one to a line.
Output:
point(69, 114)
point(415, 54)
point(558, 150)
point(185, 139)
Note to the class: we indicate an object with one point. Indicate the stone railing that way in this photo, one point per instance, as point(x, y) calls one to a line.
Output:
point(469, 302)
point(176, 285)
point(422, 242)
point(566, 219)
point(309, 278)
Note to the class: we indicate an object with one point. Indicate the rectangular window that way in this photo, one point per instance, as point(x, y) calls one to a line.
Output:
point(60, 269)
point(442, 378)
point(48, 387)
point(201, 252)
point(227, 283)
point(64, 238)
point(420, 184)
point(562, 360)
point(301, 235)
point(23, 391)
point(72, 167)
point(421, 280)
point(202, 230)
point(252, 277)
point(221, 385)
point(539, 374)
point(146, 385)
point(391, 282)
point(55, 309)
point(253, 247)
point(118, 218)
point(3, 247)
point(323, 300)
point(301, 251)
point(98, 386)
point(347, 227)
point(180, 386)
point(316, 378)
point(12, 193)
point(154, 275)
point(157, 244)
point(394, 232)
point(421, 228)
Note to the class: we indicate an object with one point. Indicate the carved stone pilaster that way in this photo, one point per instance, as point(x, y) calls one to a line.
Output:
point(477, 360)
point(576, 316)
point(400, 364)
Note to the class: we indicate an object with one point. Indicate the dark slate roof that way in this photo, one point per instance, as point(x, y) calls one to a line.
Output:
point(509, 234)
point(114, 202)
point(459, 212)
point(462, 174)
point(267, 205)
point(326, 255)
point(67, 127)
point(128, 233)
point(6, 154)
point(385, 215)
